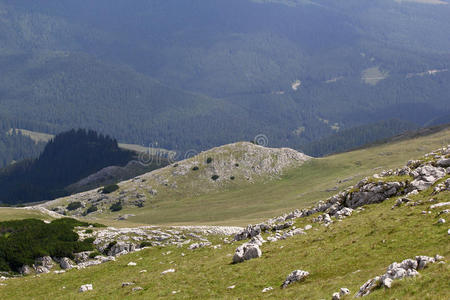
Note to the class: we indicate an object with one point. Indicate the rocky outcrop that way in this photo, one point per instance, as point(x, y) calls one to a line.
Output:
point(407, 268)
point(295, 276)
point(65, 263)
point(426, 176)
point(245, 252)
point(46, 262)
point(121, 248)
point(444, 186)
point(26, 270)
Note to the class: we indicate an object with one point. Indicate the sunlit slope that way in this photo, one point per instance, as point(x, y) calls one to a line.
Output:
point(199, 200)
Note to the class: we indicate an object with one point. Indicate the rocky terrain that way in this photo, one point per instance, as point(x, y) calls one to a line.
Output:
point(239, 163)
point(417, 191)
point(113, 242)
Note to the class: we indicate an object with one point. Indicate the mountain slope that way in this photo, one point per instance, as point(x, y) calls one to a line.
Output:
point(194, 198)
point(242, 68)
point(343, 251)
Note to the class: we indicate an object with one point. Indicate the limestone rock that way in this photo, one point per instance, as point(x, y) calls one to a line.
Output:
point(42, 270)
point(26, 270)
point(85, 288)
point(295, 276)
point(45, 261)
point(245, 252)
point(65, 263)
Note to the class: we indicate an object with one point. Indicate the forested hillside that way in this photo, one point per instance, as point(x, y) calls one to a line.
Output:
point(195, 74)
point(14, 146)
point(69, 157)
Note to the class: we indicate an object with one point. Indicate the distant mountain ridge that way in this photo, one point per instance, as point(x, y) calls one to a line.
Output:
point(196, 74)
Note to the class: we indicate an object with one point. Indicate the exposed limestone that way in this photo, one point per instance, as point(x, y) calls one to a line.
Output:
point(407, 268)
point(245, 252)
point(240, 161)
point(295, 276)
point(85, 288)
point(168, 271)
point(65, 263)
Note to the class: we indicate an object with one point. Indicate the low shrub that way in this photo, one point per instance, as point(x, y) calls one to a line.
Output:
point(209, 160)
point(94, 254)
point(21, 242)
point(116, 206)
point(91, 209)
point(215, 177)
point(146, 244)
point(74, 205)
point(110, 189)
point(195, 168)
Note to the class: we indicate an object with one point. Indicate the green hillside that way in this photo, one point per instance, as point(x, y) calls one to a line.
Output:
point(141, 74)
point(198, 200)
point(343, 254)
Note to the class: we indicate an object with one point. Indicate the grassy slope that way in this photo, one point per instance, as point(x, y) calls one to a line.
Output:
point(350, 252)
point(344, 255)
point(7, 214)
point(241, 204)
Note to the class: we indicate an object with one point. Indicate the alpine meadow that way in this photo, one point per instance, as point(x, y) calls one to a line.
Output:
point(225, 149)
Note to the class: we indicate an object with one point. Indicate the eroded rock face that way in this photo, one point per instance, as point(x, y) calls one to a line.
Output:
point(295, 276)
point(245, 252)
point(372, 193)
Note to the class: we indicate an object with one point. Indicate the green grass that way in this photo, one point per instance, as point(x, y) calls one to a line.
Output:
point(344, 255)
point(7, 214)
point(240, 203)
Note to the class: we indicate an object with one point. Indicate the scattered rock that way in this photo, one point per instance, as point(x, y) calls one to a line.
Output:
point(65, 263)
point(137, 289)
point(26, 270)
point(85, 288)
point(267, 289)
point(441, 221)
point(42, 270)
point(336, 296)
point(125, 284)
point(131, 264)
point(407, 268)
point(295, 276)
point(245, 252)
point(439, 205)
point(231, 287)
point(168, 271)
